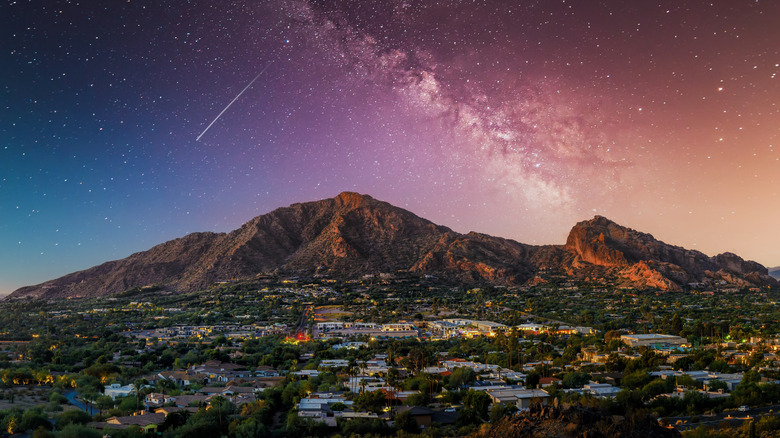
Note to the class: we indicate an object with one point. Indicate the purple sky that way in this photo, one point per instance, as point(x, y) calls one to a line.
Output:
point(516, 119)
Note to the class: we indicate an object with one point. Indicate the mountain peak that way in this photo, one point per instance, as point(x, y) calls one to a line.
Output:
point(352, 199)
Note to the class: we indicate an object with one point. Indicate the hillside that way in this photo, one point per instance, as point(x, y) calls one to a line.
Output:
point(574, 421)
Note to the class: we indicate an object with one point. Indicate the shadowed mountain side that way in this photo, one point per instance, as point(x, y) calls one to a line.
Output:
point(163, 264)
point(352, 235)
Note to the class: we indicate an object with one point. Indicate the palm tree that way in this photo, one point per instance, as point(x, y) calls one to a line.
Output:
point(219, 401)
point(164, 384)
point(352, 372)
point(138, 384)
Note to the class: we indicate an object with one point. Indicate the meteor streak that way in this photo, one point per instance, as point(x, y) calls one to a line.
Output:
point(231, 102)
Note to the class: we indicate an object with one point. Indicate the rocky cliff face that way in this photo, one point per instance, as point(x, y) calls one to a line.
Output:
point(642, 260)
point(352, 235)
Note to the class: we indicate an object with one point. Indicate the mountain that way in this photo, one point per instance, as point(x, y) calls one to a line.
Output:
point(641, 259)
point(352, 235)
point(775, 272)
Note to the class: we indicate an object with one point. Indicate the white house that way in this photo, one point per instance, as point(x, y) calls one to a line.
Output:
point(115, 390)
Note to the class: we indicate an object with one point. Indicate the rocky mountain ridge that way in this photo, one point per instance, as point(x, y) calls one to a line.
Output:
point(352, 235)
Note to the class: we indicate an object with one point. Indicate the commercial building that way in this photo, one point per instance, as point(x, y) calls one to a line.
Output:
point(654, 340)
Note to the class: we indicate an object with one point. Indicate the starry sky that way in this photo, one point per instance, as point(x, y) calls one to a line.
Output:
point(512, 118)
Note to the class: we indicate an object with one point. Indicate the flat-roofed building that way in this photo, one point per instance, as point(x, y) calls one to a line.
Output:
point(444, 329)
point(654, 340)
point(522, 398)
point(488, 326)
point(398, 327)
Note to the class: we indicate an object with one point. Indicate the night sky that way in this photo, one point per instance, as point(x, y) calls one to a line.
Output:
point(516, 119)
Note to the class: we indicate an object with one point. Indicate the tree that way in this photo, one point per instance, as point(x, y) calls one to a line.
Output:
point(717, 385)
point(338, 407)
point(636, 379)
point(138, 384)
point(499, 411)
point(217, 402)
point(370, 401)
point(75, 416)
point(165, 384)
point(406, 422)
point(615, 363)
point(478, 401)
point(416, 399)
point(250, 428)
point(575, 380)
point(174, 420)
point(676, 325)
point(104, 403)
point(468, 416)
point(461, 377)
point(34, 418)
point(512, 344)
point(532, 379)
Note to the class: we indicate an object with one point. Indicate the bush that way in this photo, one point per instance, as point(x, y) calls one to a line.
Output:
point(768, 423)
point(416, 400)
point(364, 426)
point(42, 433)
point(33, 419)
point(75, 416)
point(58, 398)
point(54, 407)
point(78, 431)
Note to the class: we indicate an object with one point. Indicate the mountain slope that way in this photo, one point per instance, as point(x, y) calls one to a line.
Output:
point(352, 235)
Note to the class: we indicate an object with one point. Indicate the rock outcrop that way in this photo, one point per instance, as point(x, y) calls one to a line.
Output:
point(352, 235)
point(576, 422)
point(640, 259)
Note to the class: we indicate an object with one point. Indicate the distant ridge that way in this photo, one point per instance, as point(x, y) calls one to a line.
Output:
point(775, 272)
point(353, 234)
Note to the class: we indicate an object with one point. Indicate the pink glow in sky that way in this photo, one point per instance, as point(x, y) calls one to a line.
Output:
point(516, 119)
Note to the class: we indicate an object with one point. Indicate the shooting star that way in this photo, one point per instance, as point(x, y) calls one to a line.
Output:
point(231, 102)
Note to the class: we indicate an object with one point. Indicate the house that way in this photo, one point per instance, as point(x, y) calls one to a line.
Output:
point(318, 404)
point(266, 371)
point(425, 417)
point(334, 363)
point(547, 381)
point(184, 401)
point(171, 409)
point(218, 371)
point(522, 398)
point(180, 377)
point(147, 422)
point(306, 373)
point(613, 378)
point(156, 399)
point(601, 390)
point(115, 390)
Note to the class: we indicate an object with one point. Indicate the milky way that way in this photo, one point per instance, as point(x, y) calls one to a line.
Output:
point(516, 119)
